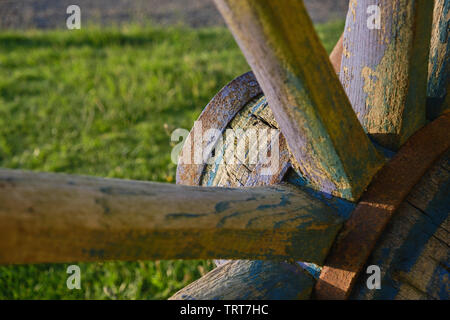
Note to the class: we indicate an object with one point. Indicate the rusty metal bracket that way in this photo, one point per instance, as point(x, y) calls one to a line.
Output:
point(387, 191)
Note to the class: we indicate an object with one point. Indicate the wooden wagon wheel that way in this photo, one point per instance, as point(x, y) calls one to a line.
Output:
point(334, 196)
point(361, 231)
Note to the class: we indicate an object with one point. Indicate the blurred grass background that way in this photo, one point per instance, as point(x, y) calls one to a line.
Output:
point(104, 102)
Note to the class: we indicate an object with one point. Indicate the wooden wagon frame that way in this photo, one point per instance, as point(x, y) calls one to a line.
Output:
point(362, 177)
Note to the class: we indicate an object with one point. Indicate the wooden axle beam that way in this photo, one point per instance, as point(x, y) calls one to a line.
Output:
point(48, 217)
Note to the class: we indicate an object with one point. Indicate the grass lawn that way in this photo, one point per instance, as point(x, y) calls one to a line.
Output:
point(104, 103)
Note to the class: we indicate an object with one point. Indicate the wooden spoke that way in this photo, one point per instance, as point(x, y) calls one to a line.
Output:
point(438, 100)
point(61, 218)
point(250, 280)
point(384, 66)
point(304, 93)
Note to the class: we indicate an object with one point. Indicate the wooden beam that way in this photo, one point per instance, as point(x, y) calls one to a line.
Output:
point(250, 280)
point(48, 217)
point(384, 66)
point(438, 100)
point(304, 93)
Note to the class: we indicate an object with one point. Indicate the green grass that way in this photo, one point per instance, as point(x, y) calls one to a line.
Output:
point(104, 102)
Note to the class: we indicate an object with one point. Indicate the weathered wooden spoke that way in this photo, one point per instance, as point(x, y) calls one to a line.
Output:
point(384, 66)
point(304, 93)
point(61, 218)
point(250, 280)
point(438, 101)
